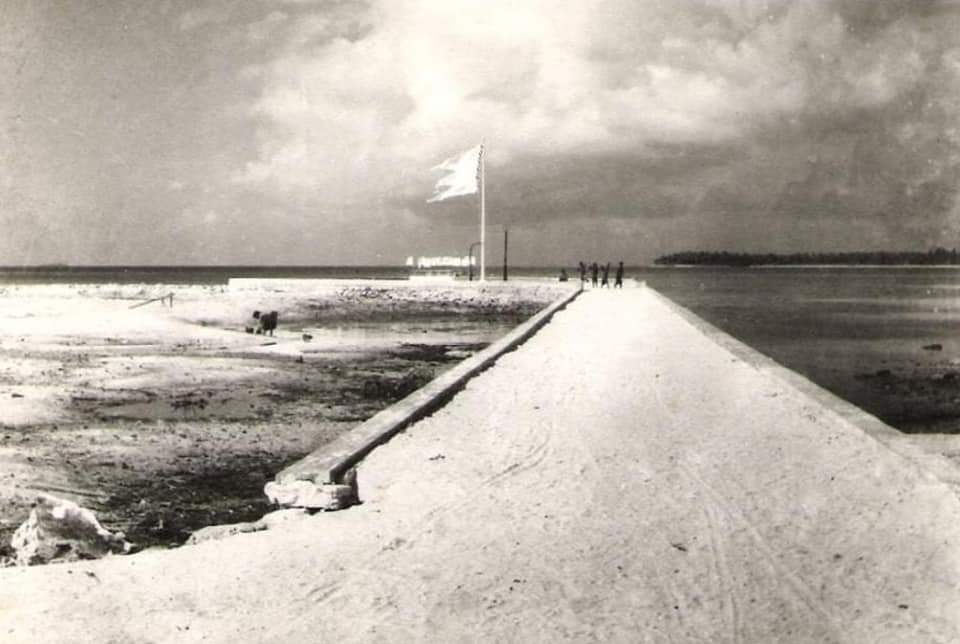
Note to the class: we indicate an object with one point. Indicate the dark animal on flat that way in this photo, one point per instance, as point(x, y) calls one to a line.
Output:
point(267, 322)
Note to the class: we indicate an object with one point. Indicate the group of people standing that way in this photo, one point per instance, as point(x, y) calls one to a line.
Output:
point(600, 275)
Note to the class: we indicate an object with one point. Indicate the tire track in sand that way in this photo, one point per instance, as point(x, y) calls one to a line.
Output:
point(723, 577)
point(532, 457)
point(726, 514)
point(537, 450)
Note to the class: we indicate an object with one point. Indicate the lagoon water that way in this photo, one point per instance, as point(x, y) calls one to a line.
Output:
point(858, 331)
point(886, 339)
point(56, 274)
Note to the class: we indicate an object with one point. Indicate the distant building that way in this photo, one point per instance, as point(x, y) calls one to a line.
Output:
point(439, 268)
point(442, 261)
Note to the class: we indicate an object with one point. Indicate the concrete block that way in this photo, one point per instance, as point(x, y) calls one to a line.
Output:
point(314, 496)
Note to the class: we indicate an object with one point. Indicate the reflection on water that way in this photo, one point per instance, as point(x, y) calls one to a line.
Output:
point(375, 335)
point(840, 327)
point(188, 408)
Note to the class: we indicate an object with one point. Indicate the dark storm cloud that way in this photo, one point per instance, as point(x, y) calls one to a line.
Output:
point(236, 130)
point(658, 184)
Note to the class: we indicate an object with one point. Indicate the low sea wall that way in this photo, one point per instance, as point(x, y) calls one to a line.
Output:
point(328, 465)
point(934, 463)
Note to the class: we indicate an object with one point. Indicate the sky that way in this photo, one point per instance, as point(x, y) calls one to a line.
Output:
point(304, 131)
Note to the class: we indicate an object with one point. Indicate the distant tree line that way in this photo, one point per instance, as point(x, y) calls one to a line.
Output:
point(936, 256)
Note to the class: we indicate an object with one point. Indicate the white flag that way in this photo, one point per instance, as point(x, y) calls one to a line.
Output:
point(460, 175)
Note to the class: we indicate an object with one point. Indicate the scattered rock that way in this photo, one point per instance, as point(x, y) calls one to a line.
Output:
point(881, 374)
point(278, 517)
point(385, 387)
point(933, 347)
point(267, 522)
point(217, 532)
point(60, 530)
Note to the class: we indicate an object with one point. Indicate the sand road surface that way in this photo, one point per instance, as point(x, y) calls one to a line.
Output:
point(620, 477)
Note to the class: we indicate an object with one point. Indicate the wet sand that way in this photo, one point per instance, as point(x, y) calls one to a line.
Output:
point(164, 420)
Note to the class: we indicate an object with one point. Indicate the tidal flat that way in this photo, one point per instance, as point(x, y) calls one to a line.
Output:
point(164, 419)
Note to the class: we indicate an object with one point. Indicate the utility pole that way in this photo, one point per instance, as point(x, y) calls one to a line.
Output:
point(483, 216)
point(505, 233)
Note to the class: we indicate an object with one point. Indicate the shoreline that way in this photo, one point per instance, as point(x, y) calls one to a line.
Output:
point(167, 420)
point(372, 358)
point(795, 266)
point(646, 478)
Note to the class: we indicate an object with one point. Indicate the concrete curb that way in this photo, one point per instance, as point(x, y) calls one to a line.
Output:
point(329, 464)
point(933, 465)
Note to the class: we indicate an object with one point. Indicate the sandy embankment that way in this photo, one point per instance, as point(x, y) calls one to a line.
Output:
point(621, 477)
point(167, 419)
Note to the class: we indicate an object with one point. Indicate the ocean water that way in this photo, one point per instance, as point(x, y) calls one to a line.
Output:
point(56, 274)
point(885, 339)
point(186, 274)
point(861, 332)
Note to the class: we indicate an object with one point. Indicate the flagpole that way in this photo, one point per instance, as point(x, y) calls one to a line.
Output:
point(483, 217)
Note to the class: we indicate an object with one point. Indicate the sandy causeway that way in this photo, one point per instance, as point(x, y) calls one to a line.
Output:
point(620, 477)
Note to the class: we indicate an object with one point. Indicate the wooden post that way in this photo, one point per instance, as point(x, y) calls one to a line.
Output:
point(506, 231)
point(472, 246)
point(162, 299)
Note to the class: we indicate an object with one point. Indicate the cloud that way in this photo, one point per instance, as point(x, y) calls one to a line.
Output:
point(203, 15)
point(650, 123)
point(430, 78)
point(262, 29)
point(358, 104)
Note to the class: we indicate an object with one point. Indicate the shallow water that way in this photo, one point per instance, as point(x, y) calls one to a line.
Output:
point(859, 332)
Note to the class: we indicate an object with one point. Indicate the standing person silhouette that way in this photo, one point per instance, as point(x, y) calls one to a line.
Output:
point(583, 273)
point(593, 273)
point(619, 281)
point(606, 276)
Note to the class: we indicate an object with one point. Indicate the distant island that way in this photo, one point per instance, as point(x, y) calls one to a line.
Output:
point(934, 257)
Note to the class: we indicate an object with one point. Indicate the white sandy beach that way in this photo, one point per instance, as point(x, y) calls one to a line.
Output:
point(620, 477)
